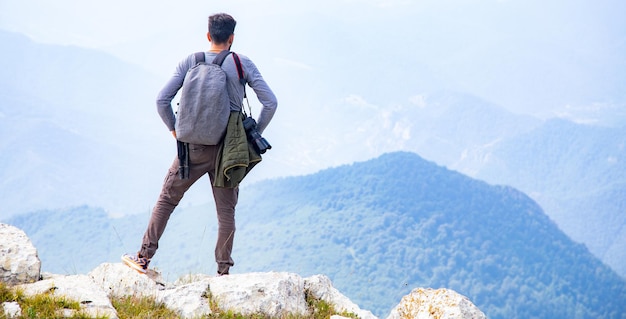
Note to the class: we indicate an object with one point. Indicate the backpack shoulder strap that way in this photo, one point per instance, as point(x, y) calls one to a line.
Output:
point(219, 59)
point(199, 57)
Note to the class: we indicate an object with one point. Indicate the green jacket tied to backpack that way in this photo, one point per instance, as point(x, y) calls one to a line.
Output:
point(236, 156)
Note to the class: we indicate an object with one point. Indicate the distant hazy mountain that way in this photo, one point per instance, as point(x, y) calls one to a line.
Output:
point(378, 228)
point(577, 173)
point(74, 130)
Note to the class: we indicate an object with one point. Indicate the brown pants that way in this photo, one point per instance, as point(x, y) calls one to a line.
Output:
point(202, 160)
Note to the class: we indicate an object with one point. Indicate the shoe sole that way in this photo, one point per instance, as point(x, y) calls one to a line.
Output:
point(130, 263)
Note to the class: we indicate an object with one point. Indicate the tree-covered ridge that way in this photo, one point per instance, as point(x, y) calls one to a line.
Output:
point(401, 222)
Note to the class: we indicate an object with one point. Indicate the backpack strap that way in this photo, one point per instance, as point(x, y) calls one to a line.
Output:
point(219, 59)
point(199, 57)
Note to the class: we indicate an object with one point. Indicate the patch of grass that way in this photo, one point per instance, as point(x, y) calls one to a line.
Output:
point(45, 305)
point(131, 307)
point(231, 315)
point(321, 309)
point(5, 293)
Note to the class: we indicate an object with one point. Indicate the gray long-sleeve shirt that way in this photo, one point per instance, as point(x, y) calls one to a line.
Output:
point(235, 89)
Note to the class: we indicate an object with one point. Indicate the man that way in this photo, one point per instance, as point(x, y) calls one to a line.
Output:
point(202, 158)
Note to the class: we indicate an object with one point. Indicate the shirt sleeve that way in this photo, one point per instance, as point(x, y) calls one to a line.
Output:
point(264, 95)
point(169, 91)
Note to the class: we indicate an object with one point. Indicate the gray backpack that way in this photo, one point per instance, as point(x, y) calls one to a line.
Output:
point(204, 105)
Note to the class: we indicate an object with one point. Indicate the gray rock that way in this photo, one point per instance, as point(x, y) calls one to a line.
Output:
point(19, 262)
point(94, 302)
point(273, 294)
point(190, 278)
point(188, 300)
point(116, 279)
point(436, 304)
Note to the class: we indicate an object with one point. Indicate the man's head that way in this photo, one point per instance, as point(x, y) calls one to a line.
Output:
point(221, 28)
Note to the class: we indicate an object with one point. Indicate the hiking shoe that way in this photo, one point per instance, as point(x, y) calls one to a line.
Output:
point(136, 262)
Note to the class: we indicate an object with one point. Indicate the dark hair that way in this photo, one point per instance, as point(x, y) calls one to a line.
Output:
point(221, 27)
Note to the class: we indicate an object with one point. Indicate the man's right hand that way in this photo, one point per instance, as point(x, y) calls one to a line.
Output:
point(174, 133)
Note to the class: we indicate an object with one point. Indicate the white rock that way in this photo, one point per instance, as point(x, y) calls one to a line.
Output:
point(320, 287)
point(190, 278)
point(189, 300)
point(117, 279)
point(440, 304)
point(273, 294)
point(11, 309)
point(94, 302)
point(19, 262)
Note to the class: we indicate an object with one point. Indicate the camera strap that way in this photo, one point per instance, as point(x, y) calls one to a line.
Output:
point(242, 80)
point(219, 60)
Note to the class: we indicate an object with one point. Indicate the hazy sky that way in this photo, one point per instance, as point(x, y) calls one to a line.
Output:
point(527, 55)
point(331, 61)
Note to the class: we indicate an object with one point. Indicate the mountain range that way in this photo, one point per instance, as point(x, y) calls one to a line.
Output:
point(378, 229)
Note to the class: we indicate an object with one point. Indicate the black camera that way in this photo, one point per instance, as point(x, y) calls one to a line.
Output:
point(259, 143)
